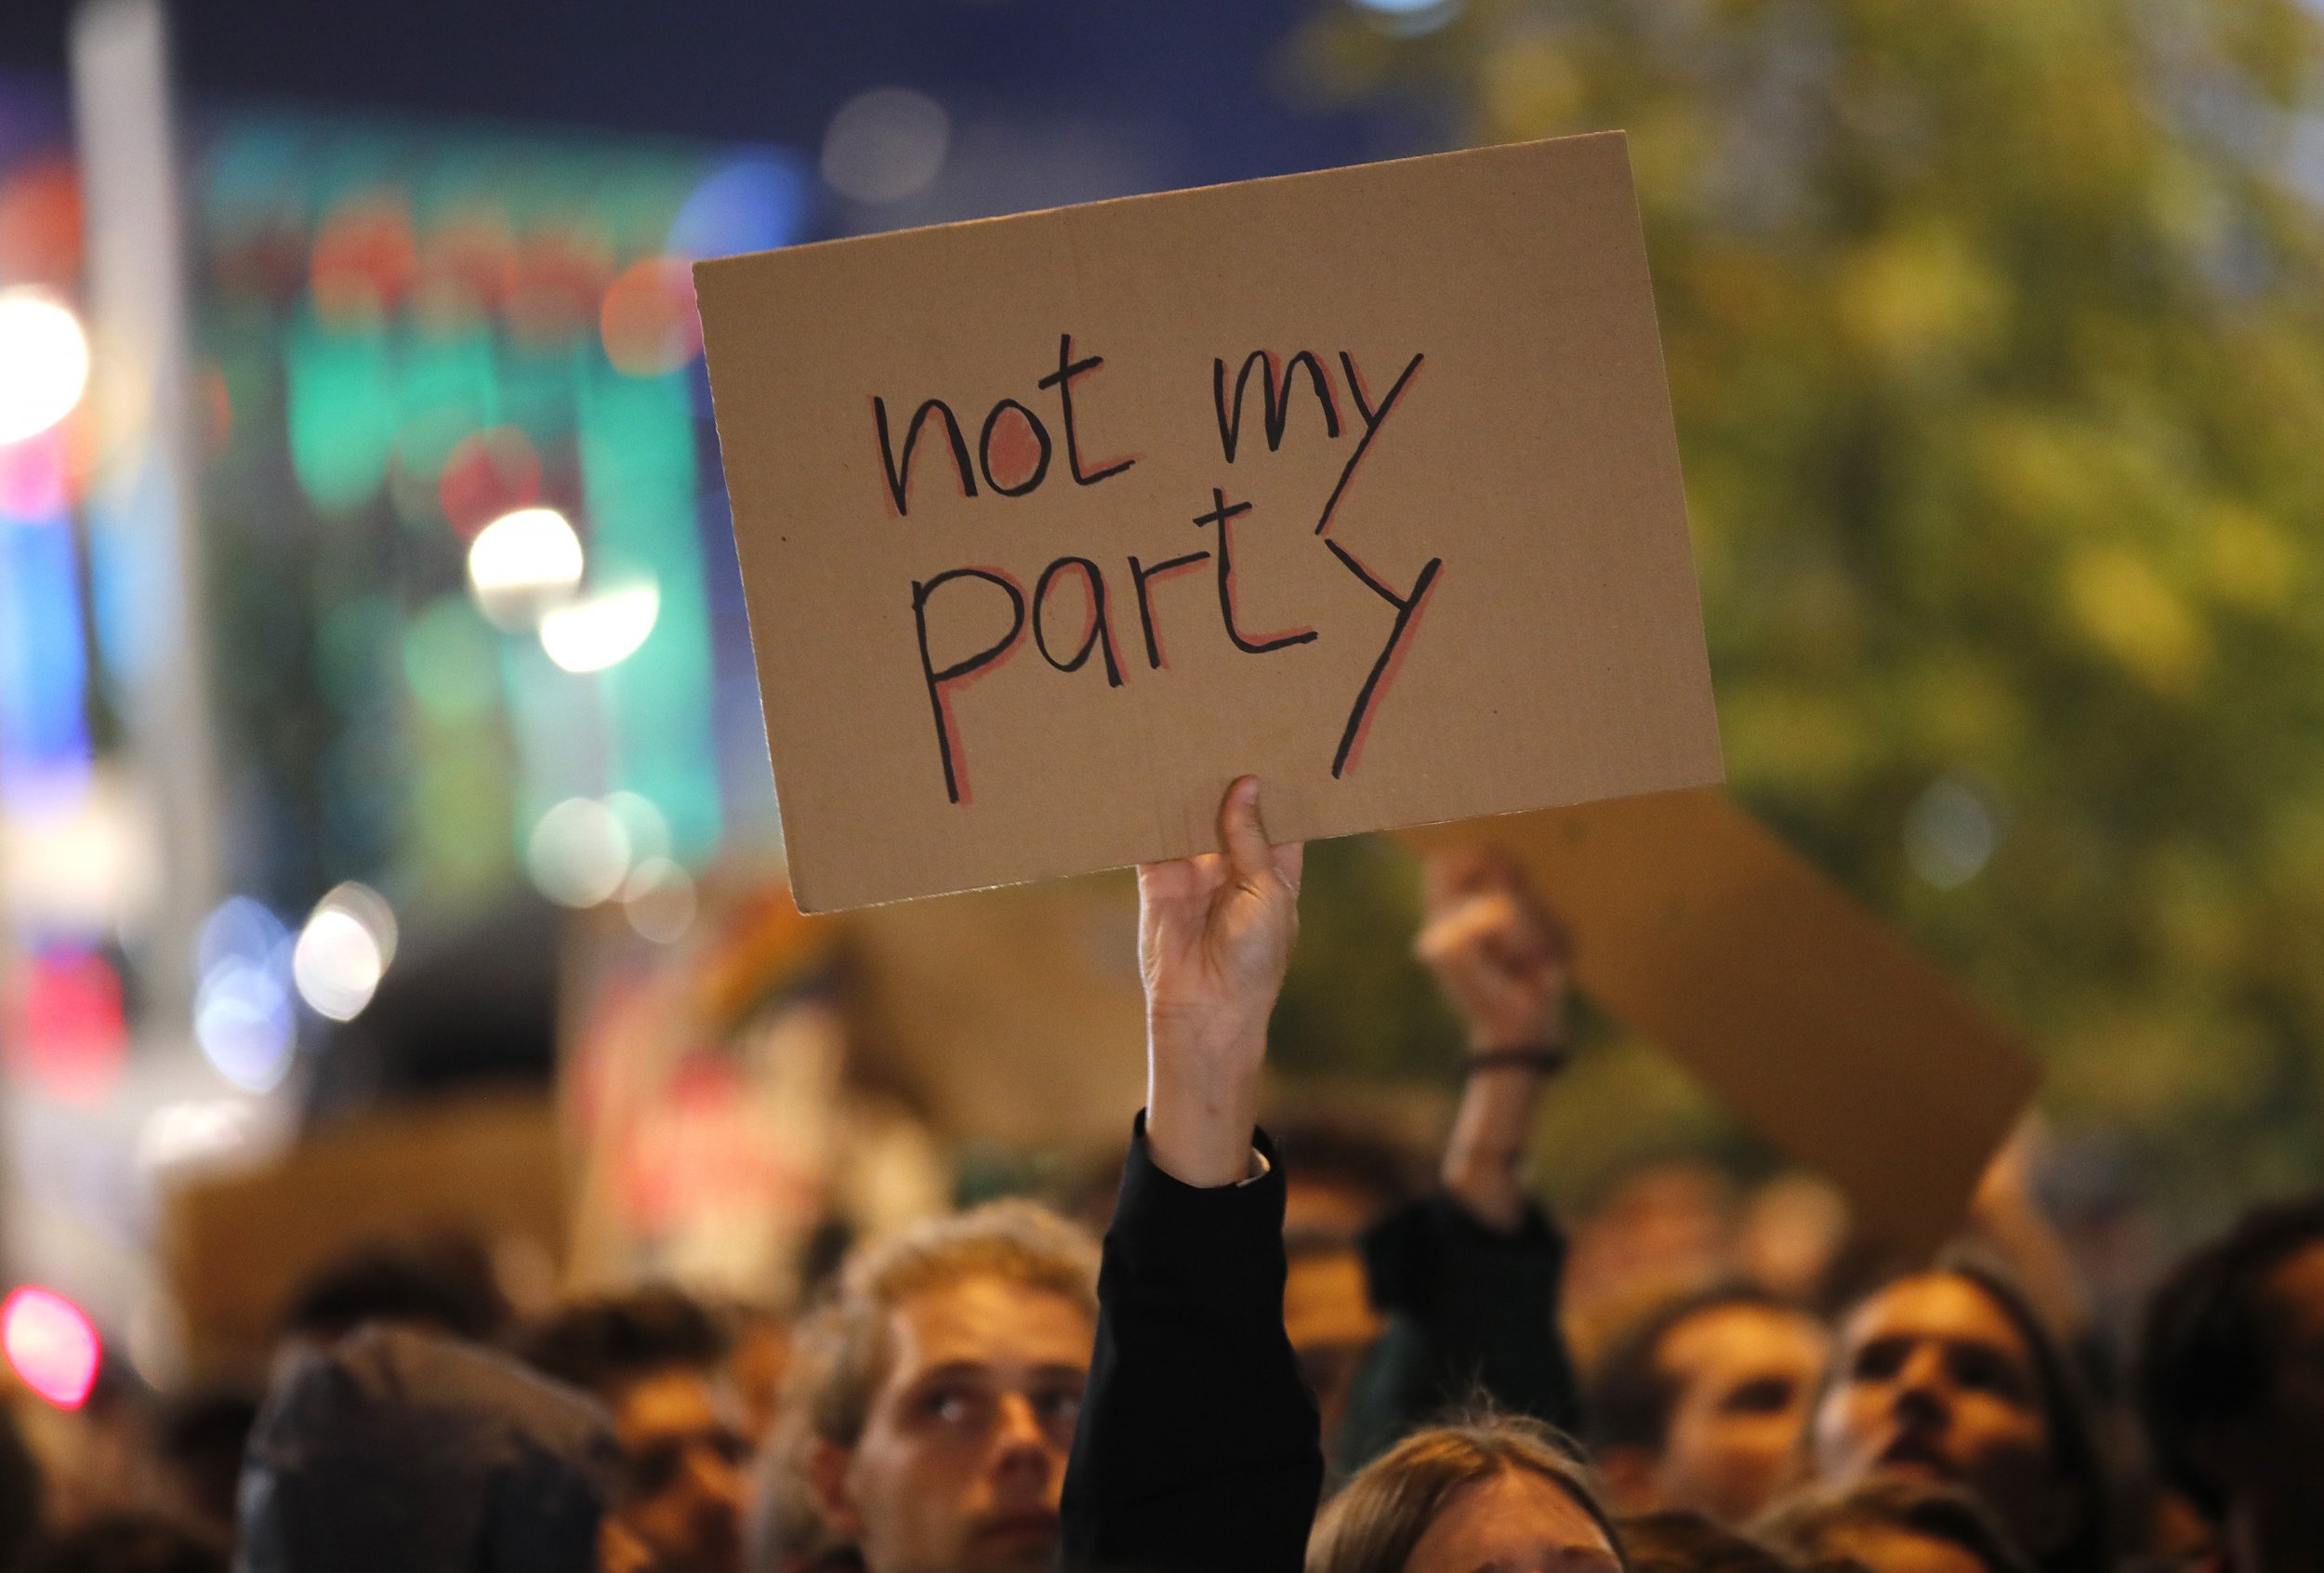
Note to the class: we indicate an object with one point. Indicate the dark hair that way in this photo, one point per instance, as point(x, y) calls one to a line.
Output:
point(1807, 1525)
point(445, 1287)
point(203, 1436)
point(598, 1343)
point(1336, 1156)
point(2205, 1352)
point(130, 1543)
point(1687, 1542)
point(1376, 1520)
point(2065, 1409)
point(1632, 1395)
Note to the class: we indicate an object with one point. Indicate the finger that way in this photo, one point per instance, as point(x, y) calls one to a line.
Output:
point(1245, 838)
point(1289, 860)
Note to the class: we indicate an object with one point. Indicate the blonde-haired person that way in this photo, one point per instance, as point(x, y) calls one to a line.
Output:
point(1197, 1450)
point(932, 1399)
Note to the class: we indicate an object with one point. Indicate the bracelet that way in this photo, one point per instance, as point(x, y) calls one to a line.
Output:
point(1548, 1059)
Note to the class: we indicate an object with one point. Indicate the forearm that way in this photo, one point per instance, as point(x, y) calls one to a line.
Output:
point(1485, 1157)
point(1202, 1102)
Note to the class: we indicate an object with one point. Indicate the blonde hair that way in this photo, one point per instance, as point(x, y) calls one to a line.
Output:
point(1373, 1524)
point(843, 1349)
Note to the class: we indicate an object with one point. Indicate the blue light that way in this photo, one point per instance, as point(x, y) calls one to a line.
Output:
point(44, 667)
point(756, 202)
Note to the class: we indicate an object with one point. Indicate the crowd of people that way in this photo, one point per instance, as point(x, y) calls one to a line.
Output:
point(1261, 1370)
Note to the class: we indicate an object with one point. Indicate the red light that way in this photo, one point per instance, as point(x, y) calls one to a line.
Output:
point(489, 474)
point(648, 317)
point(51, 1345)
point(70, 1038)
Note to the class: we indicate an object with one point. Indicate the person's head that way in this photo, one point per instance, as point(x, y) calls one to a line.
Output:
point(1489, 1493)
point(130, 1543)
point(392, 1450)
point(654, 1358)
point(199, 1446)
point(1700, 1405)
point(1339, 1179)
point(1687, 1542)
point(931, 1401)
point(442, 1286)
point(1893, 1527)
point(2230, 1369)
point(1948, 1377)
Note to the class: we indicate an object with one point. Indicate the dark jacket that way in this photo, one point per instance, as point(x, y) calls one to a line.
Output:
point(1472, 1317)
point(398, 1452)
point(1197, 1450)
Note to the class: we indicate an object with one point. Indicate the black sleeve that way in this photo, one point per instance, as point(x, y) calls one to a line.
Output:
point(1471, 1314)
point(1197, 1450)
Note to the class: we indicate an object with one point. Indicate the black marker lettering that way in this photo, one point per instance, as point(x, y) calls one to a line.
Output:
point(1101, 635)
point(1062, 381)
point(1392, 653)
point(900, 472)
point(1274, 398)
point(984, 449)
point(1373, 420)
point(1220, 512)
point(1142, 576)
point(955, 777)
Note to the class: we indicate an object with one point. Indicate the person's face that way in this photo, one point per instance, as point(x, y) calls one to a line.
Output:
point(1933, 1382)
point(2282, 1451)
point(1327, 1315)
point(680, 1496)
point(1746, 1378)
point(963, 1454)
point(1513, 1522)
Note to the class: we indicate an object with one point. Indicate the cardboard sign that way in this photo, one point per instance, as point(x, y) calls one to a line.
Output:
point(1364, 482)
point(1805, 1014)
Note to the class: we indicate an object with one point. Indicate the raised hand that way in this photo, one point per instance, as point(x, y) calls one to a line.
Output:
point(1499, 956)
point(1214, 937)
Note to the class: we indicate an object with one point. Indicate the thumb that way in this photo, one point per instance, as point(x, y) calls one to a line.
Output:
point(1245, 839)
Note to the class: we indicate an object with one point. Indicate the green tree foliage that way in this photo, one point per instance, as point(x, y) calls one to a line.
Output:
point(1996, 333)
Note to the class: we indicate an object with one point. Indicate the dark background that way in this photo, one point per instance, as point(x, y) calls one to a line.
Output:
point(1203, 79)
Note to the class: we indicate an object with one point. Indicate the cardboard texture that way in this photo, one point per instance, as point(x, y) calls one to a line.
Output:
point(1808, 1016)
point(1364, 481)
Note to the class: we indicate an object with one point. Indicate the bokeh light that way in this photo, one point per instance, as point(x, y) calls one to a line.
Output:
point(648, 317)
point(1950, 834)
point(886, 145)
point(756, 202)
point(51, 1345)
point(488, 474)
point(44, 362)
point(658, 899)
point(580, 852)
point(70, 1037)
point(604, 629)
point(522, 563)
point(242, 1024)
point(343, 951)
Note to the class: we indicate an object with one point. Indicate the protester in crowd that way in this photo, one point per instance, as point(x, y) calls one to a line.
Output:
point(198, 1445)
point(393, 1451)
point(2230, 1384)
point(1678, 1541)
point(443, 1286)
point(1496, 1493)
point(1893, 1527)
point(1342, 1182)
point(131, 1542)
point(931, 1400)
point(1702, 1405)
point(1468, 1275)
point(20, 1495)
point(1198, 1447)
point(655, 1358)
point(1948, 1377)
